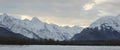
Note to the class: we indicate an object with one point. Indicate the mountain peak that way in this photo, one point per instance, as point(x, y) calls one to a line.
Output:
point(106, 22)
point(26, 20)
point(118, 15)
point(105, 28)
point(35, 19)
point(5, 14)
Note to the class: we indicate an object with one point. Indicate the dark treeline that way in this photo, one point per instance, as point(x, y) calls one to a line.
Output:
point(22, 41)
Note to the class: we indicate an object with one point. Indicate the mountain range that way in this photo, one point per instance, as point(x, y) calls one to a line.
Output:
point(105, 28)
point(36, 29)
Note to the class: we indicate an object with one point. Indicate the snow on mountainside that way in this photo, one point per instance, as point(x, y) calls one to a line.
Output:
point(37, 29)
point(107, 22)
point(105, 28)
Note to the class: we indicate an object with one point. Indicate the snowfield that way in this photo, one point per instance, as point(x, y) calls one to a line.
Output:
point(56, 47)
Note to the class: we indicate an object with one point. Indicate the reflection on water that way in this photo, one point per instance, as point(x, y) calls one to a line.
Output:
point(56, 47)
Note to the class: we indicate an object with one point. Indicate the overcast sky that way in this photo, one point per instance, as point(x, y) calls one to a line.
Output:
point(62, 12)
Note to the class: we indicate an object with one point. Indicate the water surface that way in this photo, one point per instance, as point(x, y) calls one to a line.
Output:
point(56, 47)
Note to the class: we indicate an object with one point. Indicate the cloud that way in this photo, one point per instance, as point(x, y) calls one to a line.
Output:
point(109, 8)
point(99, 1)
point(102, 8)
point(74, 12)
point(88, 6)
point(66, 21)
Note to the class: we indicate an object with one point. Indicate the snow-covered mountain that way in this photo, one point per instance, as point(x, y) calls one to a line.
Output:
point(105, 28)
point(109, 21)
point(37, 29)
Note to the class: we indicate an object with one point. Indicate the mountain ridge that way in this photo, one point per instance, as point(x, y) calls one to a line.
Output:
point(105, 28)
point(31, 28)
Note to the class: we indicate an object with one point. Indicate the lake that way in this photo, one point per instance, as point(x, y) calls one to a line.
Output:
point(56, 47)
